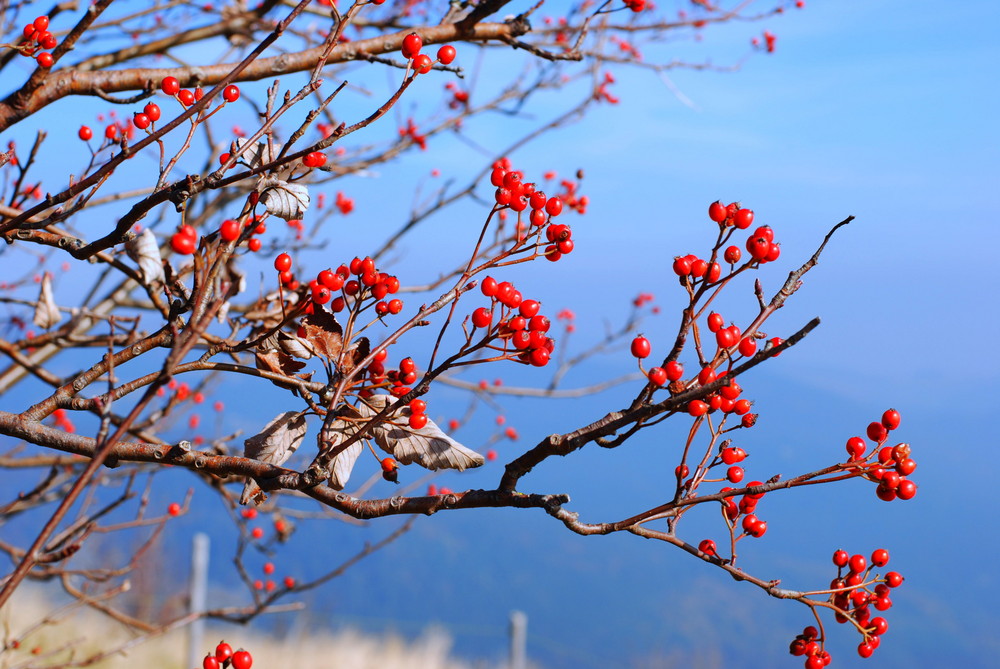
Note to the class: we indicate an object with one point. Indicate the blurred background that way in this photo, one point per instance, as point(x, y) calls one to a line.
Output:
point(884, 110)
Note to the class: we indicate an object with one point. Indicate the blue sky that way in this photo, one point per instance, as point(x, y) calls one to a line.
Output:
point(882, 110)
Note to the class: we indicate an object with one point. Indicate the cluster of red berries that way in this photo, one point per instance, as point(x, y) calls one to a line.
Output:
point(459, 98)
point(172, 87)
point(850, 593)
point(62, 421)
point(36, 37)
point(344, 204)
point(526, 330)
point(518, 195)
point(602, 92)
point(368, 282)
point(224, 657)
point(414, 134)
point(894, 463)
point(268, 585)
point(314, 159)
point(422, 63)
point(185, 240)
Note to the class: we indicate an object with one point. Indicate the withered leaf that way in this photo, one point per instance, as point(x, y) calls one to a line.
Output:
point(274, 445)
point(283, 199)
point(334, 434)
point(428, 447)
point(144, 250)
point(279, 362)
point(256, 155)
point(46, 311)
point(323, 333)
point(300, 348)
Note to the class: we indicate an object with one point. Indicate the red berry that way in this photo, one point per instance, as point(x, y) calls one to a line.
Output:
point(45, 59)
point(230, 230)
point(242, 660)
point(539, 357)
point(682, 266)
point(446, 55)
point(658, 376)
point(840, 558)
point(697, 408)
point(174, 509)
point(231, 93)
point(283, 262)
point(675, 370)
point(40, 23)
point(140, 121)
point(715, 322)
point(422, 64)
point(877, 432)
point(707, 546)
point(254, 245)
point(893, 579)
point(481, 317)
point(418, 420)
point(743, 218)
point(732, 254)
point(186, 97)
point(85, 133)
point(554, 206)
point(152, 110)
point(856, 447)
point(183, 244)
point(857, 563)
point(210, 662)
point(748, 346)
point(412, 44)
point(640, 347)
point(706, 375)
point(717, 211)
point(890, 419)
point(734, 474)
point(907, 489)
point(880, 557)
point(170, 85)
point(528, 308)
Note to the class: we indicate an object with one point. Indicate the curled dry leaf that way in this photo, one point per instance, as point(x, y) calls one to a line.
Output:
point(144, 250)
point(324, 334)
point(274, 445)
point(334, 433)
point(279, 362)
point(283, 199)
point(257, 154)
point(46, 312)
point(428, 447)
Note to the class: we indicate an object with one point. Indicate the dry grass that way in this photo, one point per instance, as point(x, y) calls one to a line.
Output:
point(74, 634)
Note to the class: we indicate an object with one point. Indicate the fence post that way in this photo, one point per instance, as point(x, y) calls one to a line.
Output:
point(518, 640)
point(198, 596)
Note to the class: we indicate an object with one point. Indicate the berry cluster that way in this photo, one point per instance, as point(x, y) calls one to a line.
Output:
point(894, 463)
point(854, 594)
point(390, 470)
point(37, 37)
point(421, 62)
point(224, 657)
point(367, 282)
point(517, 195)
point(525, 330)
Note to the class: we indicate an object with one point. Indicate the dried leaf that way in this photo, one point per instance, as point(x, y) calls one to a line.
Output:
point(284, 200)
point(296, 346)
point(429, 446)
point(46, 312)
point(273, 360)
point(256, 155)
point(323, 333)
point(144, 250)
point(343, 463)
point(274, 445)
